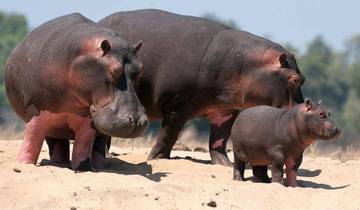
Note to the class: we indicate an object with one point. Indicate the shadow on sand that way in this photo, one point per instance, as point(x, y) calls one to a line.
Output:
point(308, 173)
point(310, 184)
point(301, 172)
point(192, 159)
point(118, 166)
point(144, 169)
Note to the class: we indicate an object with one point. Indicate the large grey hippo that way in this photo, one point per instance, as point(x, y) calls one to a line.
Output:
point(69, 79)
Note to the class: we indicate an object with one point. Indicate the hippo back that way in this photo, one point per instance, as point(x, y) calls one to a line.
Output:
point(173, 48)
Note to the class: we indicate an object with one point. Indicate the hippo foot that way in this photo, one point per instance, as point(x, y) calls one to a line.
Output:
point(83, 166)
point(278, 180)
point(158, 156)
point(260, 173)
point(98, 161)
point(156, 153)
point(219, 158)
point(291, 183)
point(237, 176)
point(62, 164)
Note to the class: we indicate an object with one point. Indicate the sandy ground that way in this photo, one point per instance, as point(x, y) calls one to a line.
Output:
point(181, 183)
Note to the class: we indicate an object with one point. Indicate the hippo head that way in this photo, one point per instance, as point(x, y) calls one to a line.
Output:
point(275, 81)
point(313, 122)
point(102, 77)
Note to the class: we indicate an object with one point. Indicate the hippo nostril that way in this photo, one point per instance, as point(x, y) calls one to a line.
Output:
point(338, 130)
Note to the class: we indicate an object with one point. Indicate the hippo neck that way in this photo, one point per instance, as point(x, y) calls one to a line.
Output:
point(230, 56)
point(296, 132)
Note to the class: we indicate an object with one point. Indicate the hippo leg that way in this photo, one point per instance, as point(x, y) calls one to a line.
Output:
point(291, 168)
point(83, 144)
point(99, 151)
point(260, 172)
point(277, 171)
point(58, 150)
point(169, 132)
point(220, 128)
point(34, 135)
point(239, 169)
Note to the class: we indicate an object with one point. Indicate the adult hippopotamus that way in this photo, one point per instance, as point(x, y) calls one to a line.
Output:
point(264, 135)
point(195, 67)
point(72, 79)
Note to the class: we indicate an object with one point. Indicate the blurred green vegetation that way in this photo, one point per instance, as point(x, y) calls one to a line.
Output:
point(331, 75)
point(13, 28)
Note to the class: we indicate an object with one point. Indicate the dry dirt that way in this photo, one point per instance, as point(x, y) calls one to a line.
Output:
point(186, 182)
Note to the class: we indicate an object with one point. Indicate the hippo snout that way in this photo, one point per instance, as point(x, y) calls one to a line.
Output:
point(124, 126)
point(124, 123)
point(331, 132)
point(337, 131)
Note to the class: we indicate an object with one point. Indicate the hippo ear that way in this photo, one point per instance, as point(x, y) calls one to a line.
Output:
point(105, 46)
point(284, 63)
point(319, 102)
point(308, 104)
point(137, 46)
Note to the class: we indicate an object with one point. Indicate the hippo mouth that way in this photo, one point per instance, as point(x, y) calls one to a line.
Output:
point(332, 133)
point(117, 122)
point(124, 128)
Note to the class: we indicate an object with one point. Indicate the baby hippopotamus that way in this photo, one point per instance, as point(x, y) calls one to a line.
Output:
point(266, 135)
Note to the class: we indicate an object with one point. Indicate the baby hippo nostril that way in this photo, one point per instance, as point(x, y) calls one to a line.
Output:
point(338, 130)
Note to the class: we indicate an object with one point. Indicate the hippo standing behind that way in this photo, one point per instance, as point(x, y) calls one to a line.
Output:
point(194, 67)
point(69, 78)
point(266, 135)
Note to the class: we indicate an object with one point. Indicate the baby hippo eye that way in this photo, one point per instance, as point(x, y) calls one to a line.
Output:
point(322, 115)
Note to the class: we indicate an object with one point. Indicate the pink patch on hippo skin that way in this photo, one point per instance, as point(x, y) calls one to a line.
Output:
point(218, 143)
point(33, 139)
point(41, 126)
point(290, 173)
point(218, 118)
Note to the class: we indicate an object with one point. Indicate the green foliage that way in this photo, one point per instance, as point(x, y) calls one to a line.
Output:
point(13, 28)
point(325, 78)
point(334, 77)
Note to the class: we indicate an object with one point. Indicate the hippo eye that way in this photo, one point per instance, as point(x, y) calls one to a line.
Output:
point(294, 81)
point(322, 115)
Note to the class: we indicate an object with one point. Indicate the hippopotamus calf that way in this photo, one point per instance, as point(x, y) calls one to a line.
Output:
point(72, 79)
point(266, 135)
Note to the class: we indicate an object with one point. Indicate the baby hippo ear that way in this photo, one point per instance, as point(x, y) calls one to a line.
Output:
point(308, 104)
point(105, 47)
point(284, 63)
point(319, 103)
point(138, 45)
